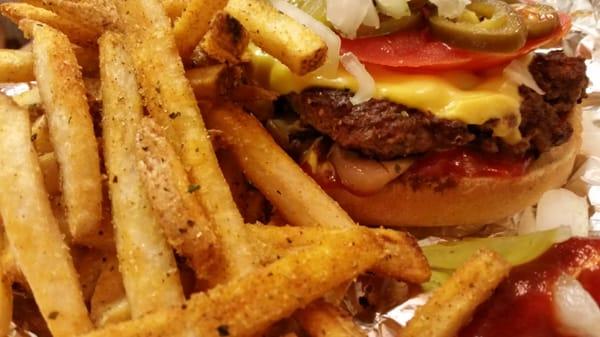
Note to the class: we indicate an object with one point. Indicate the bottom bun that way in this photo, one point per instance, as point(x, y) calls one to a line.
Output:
point(473, 201)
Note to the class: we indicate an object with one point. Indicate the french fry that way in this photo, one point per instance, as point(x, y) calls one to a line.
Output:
point(226, 39)
point(77, 33)
point(452, 305)
point(174, 8)
point(322, 319)
point(41, 136)
point(193, 23)
point(96, 15)
point(211, 82)
point(50, 172)
point(109, 305)
point(141, 245)
point(171, 102)
point(71, 130)
point(15, 66)
point(293, 44)
point(185, 224)
point(88, 263)
point(403, 260)
point(249, 304)
point(32, 229)
point(29, 100)
point(301, 201)
point(6, 304)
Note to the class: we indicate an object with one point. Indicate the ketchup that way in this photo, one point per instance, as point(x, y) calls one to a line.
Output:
point(522, 306)
point(464, 162)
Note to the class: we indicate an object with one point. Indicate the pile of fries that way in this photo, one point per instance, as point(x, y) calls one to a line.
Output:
point(119, 215)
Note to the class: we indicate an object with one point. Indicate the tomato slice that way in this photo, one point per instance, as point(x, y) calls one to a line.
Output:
point(419, 51)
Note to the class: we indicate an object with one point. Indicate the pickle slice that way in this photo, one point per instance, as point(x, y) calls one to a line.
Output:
point(486, 25)
point(540, 20)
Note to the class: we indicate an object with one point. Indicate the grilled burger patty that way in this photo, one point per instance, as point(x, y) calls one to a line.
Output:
point(386, 130)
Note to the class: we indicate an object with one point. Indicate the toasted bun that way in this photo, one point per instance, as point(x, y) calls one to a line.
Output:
point(474, 201)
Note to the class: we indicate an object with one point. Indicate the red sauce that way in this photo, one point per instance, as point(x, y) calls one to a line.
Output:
point(463, 162)
point(522, 305)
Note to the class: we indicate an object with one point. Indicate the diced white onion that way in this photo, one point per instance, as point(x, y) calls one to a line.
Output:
point(562, 207)
point(450, 8)
point(575, 310)
point(347, 15)
point(365, 175)
point(366, 83)
point(372, 17)
point(518, 72)
point(394, 8)
point(331, 39)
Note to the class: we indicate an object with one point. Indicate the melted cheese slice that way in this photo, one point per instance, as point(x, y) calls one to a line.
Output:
point(460, 96)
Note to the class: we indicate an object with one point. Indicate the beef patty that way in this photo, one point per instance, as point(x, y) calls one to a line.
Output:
point(386, 130)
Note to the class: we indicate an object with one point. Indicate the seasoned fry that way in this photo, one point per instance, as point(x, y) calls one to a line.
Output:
point(210, 82)
point(301, 201)
point(6, 304)
point(71, 130)
point(174, 8)
point(109, 305)
point(29, 100)
point(171, 102)
point(96, 15)
point(15, 66)
point(249, 304)
point(226, 39)
point(41, 136)
point(77, 33)
point(88, 263)
point(403, 261)
point(32, 229)
point(183, 220)
point(322, 319)
point(141, 245)
point(50, 172)
point(193, 23)
point(452, 305)
point(293, 44)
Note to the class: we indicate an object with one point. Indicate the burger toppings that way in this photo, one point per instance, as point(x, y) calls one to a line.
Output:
point(385, 130)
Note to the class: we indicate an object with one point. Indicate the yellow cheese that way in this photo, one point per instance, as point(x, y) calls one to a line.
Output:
point(458, 96)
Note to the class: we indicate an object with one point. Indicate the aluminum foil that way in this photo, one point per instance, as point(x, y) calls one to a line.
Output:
point(583, 40)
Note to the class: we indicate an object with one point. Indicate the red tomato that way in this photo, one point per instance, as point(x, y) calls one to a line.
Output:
point(417, 50)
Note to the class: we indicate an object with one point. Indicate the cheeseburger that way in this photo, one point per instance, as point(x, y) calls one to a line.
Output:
point(442, 112)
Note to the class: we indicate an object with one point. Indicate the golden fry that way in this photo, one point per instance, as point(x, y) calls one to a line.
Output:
point(6, 304)
point(247, 305)
point(141, 245)
point(226, 39)
point(452, 305)
point(174, 8)
point(71, 130)
point(15, 66)
point(41, 136)
point(32, 229)
point(403, 260)
point(290, 42)
point(193, 23)
point(109, 305)
point(50, 172)
point(170, 100)
point(301, 201)
point(172, 196)
point(77, 33)
point(321, 319)
point(96, 15)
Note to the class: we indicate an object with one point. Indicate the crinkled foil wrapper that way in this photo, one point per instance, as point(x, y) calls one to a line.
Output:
point(583, 40)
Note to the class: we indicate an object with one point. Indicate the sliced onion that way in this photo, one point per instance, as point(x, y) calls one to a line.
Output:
point(366, 83)
point(575, 310)
point(365, 175)
point(331, 39)
point(372, 17)
point(518, 72)
point(393, 8)
point(347, 15)
point(450, 9)
point(563, 208)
